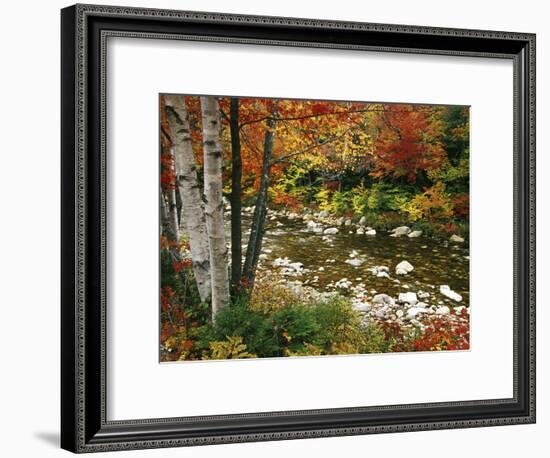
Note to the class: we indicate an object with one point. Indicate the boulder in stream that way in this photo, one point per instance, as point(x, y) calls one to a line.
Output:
point(448, 292)
point(383, 299)
point(456, 239)
point(408, 298)
point(355, 262)
point(403, 268)
point(401, 230)
point(331, 231)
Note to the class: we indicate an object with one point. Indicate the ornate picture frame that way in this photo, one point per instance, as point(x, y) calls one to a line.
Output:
point(84, 347)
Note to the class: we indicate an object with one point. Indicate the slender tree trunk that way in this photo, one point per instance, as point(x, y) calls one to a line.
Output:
point(168, 232)
point(213, 155)
point(171, 198)
point(260, 211)
point(192, 211)
point(236, 175)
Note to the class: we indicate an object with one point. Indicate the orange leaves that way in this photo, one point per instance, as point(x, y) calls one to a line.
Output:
point(167, 171)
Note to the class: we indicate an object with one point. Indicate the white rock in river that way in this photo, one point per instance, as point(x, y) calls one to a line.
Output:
point(330, 231)
point(361, 306)
point(414, 234)
point(323, 214)
point(457, 239)
point(262, 257)
point(401, 230)
point(311, 225)
point(370, 232)
point(383, 299)
point(444, 310)
point(382, 274)
point(343, 283)
point(318, 229)
point(413, 311)
point(355, 262)
point(403, 268)
point(347, 222)
point(362, 221)
point(281, 262)
point(448, 292)
point(409, 298)
point(360, 231)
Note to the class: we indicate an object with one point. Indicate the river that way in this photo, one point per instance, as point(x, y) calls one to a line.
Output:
point(436, 262)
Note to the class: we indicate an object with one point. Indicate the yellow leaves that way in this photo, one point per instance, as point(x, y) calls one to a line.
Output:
point(432, 203)
point(268, 296)
point(232, 348)
point(308, 350)
point(323, 198)
point(170, 343)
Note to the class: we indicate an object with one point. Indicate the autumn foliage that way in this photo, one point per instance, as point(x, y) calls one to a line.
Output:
point(388, 164)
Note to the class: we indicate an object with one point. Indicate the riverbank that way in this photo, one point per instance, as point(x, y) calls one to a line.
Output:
point(397, 277)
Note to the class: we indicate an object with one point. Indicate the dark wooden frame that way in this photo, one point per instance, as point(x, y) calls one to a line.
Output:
point(85, 29)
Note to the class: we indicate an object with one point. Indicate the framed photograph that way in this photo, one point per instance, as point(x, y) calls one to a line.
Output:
point(279, 228)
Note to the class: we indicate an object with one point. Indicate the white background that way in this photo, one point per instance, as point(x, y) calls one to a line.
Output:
point(139, 70)
point(29, 246)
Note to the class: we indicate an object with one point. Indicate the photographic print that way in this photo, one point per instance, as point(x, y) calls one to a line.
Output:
point(294, 228)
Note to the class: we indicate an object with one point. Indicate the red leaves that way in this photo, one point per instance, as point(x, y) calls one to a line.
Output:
point(461, 205)
point(443, 334)
point(408, 142)
point(179, 265)
point(449, 333)
point(165, 244)
point(167, 171)
point(322, 107)
point(166, 297)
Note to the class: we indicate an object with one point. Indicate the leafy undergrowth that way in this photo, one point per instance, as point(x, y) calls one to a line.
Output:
point(275, 323)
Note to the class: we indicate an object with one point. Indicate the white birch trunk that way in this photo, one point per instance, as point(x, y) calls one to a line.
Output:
point(171, 197)
point(213, 155)
point(192, 210)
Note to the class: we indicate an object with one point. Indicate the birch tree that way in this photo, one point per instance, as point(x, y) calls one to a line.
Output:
point(170, 193)
point(213, 155)
point(168, 232)
point(192, 209)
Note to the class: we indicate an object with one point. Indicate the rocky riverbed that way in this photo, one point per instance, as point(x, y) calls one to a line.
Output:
point(398, 276)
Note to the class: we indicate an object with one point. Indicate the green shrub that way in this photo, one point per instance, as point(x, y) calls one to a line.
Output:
point(295, 326)
point(339, 327)
point(375, 339)
point(255, 328)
